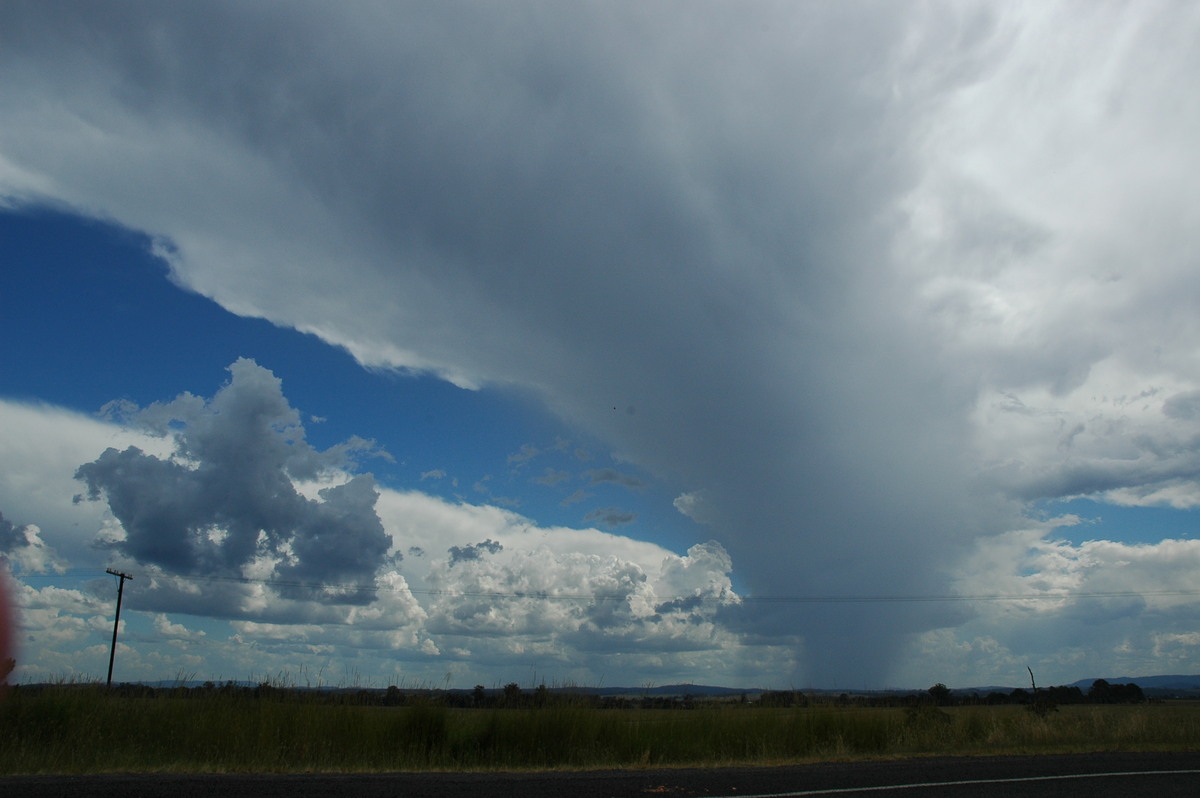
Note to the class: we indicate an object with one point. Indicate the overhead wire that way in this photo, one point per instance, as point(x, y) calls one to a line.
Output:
point(561, 596)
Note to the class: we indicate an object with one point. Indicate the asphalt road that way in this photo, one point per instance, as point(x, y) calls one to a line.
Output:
point(1084, 776)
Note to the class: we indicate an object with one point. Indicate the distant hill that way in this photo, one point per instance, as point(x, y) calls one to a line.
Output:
point(1147, 682)
point(1159, 684)
point(1153, 685)
point(663, 690)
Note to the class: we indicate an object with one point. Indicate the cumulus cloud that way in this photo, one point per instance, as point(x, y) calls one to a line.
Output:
point(1067, 608)
point(174, 631)
point(226, 496)
point(23, 546)
point(585, 601)
point(693, 506)
point(857, 272)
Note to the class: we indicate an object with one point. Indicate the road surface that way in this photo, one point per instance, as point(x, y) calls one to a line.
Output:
point(1085, 776)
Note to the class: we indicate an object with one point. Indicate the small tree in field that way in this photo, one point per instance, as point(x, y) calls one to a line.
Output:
point(940, 694)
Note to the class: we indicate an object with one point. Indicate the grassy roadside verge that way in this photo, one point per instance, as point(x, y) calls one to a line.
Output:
point(78, 729)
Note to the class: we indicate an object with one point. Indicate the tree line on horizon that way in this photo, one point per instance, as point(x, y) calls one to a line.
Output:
point(1101, 692)
point(512, 696)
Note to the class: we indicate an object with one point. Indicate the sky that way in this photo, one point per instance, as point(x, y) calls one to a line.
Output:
point(837, 345)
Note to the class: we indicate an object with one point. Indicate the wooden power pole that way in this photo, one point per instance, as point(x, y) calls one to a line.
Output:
point(112, 653)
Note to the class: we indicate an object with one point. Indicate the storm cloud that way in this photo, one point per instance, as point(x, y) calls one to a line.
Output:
point(795, 259)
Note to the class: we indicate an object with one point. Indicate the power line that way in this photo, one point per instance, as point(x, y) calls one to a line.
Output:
point(768, 599)
point(72, 572)
point(971, 597)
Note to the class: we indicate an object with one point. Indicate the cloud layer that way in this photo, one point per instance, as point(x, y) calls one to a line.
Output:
point(867, 278)
point(240, 519)
point(485, 594)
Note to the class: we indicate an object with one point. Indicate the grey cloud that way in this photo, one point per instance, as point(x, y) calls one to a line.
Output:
point(1183, 406)
point(1113, 461)
point(466, 553)
point(608, 208)
point(575, 497)
point(552, 477)
point(613, 476)
point(340, 539)
point(155, 589)
point(686, 604)
point(228, 497)
point(527, 453)
point(12, 537)
point(611, 516)
point(592, 202)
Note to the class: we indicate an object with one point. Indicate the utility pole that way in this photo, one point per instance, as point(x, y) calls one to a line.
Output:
point(112, 653)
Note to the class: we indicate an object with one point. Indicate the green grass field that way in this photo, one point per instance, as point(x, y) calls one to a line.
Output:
point(83, 729)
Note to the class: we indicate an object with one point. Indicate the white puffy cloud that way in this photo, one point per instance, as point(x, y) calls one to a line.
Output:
point(54, 625)
point(24, 548)
point(693, 506)
point(174, 631)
